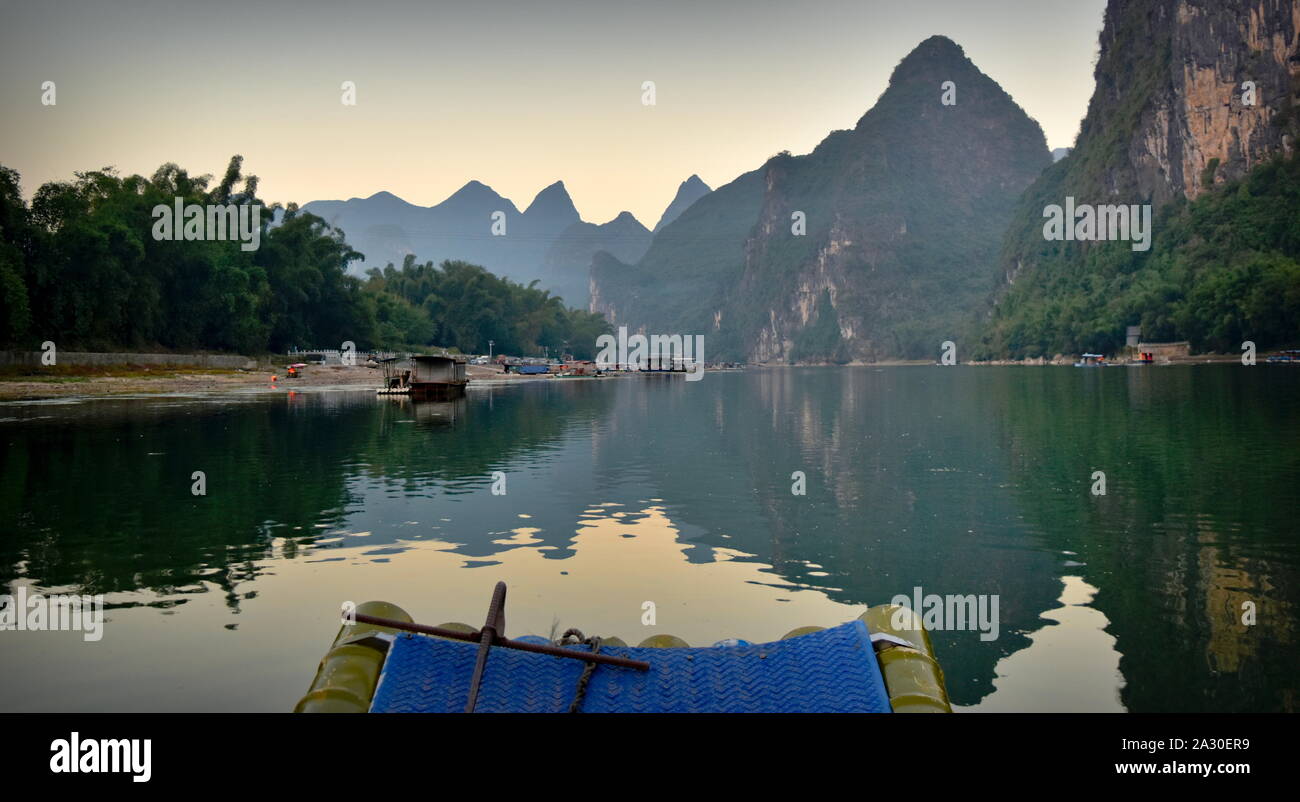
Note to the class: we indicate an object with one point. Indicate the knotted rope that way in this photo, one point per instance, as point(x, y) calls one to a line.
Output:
point(575, 636)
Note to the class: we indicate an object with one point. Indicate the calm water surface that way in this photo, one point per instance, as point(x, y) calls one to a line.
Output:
point(955, 480)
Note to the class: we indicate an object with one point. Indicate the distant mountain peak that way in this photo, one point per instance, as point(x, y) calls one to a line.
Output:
point(382, 196)
point(937, 58)
point(924, 75)
point(688, 192)
point(473, 190)
point(937, 51)
point(625, 218)
point(553, 203)
point(937, 45)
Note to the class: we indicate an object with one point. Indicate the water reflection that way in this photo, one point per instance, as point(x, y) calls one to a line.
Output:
point(1070, 666)
point(961, 481)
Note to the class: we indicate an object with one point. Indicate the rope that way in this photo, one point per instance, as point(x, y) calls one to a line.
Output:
point(594, 642)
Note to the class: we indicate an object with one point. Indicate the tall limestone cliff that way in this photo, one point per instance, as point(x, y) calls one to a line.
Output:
point(1172, 92)
point(875, 245)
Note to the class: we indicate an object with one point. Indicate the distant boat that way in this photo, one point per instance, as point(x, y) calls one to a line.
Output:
point(1091, 361)
point(1291, 357)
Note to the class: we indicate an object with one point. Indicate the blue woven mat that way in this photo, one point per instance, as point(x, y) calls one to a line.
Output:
point(832, 671)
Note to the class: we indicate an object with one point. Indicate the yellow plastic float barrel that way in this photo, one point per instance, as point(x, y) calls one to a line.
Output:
point(663, 641)
point(913, 677)
point(345, 681)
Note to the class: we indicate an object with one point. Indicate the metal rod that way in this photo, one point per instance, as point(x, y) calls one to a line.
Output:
point(476, 636)
point(496, 621)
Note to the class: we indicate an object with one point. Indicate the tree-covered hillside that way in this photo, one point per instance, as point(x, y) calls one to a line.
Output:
point(1222, 269)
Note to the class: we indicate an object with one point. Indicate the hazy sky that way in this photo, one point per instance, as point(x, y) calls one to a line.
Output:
point(514, 94)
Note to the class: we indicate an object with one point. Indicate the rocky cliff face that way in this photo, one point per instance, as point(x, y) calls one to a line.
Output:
point(1172, 83)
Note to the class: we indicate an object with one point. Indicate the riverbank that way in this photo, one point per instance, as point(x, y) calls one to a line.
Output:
point(26, 383)
point(1060, 359)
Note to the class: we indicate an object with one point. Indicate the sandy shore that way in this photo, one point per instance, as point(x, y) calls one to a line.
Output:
point(134, 380)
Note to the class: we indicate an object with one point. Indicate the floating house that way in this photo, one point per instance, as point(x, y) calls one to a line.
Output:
point(437, 376)
point(424, 376)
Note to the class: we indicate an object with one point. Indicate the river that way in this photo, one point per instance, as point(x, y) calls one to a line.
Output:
point(1175, 590)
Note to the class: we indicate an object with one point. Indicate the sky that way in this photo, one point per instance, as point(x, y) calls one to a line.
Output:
point(514, 94)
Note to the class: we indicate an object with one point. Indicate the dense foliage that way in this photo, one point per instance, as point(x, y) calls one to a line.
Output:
point(465, 306)
point(1222, 270)
point(80, 266)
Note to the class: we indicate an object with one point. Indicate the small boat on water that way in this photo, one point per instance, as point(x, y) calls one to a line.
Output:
point(1291, 357)
point(382, 662)
point(1091, 361)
